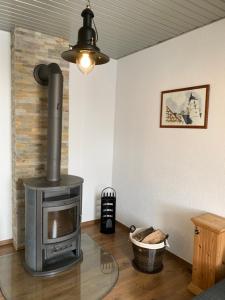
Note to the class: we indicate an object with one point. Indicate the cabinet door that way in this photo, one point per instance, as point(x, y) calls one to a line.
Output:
point(204, 259)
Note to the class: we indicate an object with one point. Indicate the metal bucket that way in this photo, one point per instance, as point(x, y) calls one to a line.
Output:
point(148, 257)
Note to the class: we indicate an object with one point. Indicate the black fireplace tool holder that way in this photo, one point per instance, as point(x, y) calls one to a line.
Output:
point(108, 210)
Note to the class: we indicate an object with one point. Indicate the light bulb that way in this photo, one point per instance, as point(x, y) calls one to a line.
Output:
point(85, 62)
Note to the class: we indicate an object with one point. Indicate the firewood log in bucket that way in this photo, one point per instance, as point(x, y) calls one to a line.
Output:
point(154, 237)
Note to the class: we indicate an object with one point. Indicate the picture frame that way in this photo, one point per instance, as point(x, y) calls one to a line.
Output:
point(185, 107)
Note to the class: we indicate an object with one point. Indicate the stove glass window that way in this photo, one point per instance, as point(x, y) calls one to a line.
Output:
point(62, 222)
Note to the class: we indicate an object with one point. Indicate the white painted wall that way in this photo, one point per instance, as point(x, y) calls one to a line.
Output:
point(91, 130)
point(165, 176)
point(5, 134)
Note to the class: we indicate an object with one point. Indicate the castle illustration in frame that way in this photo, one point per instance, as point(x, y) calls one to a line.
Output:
point(185, 108)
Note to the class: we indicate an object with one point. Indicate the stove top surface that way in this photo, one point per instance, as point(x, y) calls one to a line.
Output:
point(43, 183)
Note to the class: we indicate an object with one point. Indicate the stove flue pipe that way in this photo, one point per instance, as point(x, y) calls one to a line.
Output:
point(51, 75)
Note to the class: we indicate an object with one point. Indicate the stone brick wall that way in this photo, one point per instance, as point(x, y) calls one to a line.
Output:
point(29, 114)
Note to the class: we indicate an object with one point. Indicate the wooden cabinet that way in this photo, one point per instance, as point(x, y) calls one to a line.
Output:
point(209, 252)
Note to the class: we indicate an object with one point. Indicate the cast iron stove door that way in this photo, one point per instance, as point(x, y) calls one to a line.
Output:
point(60, 222)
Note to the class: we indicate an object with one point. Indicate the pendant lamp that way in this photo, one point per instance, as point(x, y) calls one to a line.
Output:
point(85, 53)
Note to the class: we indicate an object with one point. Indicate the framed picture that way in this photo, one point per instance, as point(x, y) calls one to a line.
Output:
point(185, 108)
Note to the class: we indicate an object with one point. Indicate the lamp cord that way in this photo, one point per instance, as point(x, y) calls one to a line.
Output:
point(96, 31)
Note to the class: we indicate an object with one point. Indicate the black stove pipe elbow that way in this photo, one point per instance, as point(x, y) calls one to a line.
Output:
point(51, 75)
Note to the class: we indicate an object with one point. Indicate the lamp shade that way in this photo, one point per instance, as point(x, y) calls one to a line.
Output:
point(72, 54)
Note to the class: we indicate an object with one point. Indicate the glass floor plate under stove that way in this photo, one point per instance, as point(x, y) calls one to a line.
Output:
point(90, 279)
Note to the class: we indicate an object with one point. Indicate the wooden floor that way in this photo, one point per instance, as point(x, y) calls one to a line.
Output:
point(170, 284)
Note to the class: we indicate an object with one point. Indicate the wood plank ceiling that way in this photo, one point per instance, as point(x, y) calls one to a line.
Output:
point(124, 26)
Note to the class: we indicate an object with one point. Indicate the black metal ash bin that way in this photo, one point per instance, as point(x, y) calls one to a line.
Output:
point(108, 210)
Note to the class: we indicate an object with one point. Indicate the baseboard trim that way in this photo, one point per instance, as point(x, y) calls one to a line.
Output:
point(89, 223)
point(6, 242)
point(188, 265)
point(97, 221)
point(19, 247)
point(123, 226)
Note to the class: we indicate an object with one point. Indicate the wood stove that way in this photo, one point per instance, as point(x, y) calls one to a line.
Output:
point(52, 234)
point(52, 204)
